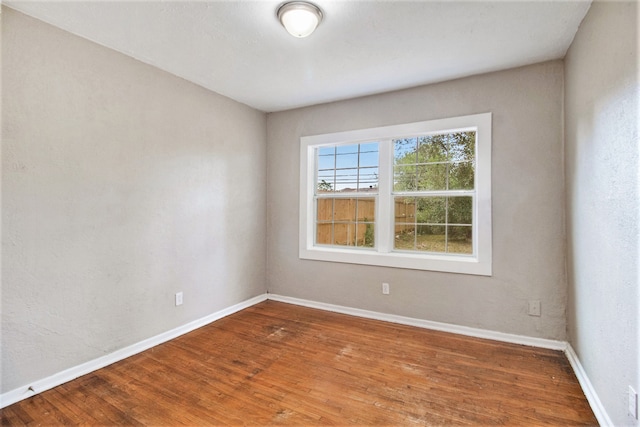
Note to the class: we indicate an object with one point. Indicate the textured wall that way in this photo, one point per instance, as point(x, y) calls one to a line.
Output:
point(121, 185)
point(602, 148)
point(528, 200)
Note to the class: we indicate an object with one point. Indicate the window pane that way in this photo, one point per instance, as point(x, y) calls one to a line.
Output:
point(346, 180)
point(460, 240)
point(431, 210)
point(347, 149)
point(344, 210)
point(404, 150)
point(347, 160)
point(366, 210)
point(368, 179)
point(325, 182)
point(432, 148)
point(326, 151)
point(462, 146)
point(431, 238)
point(404, 223)
point(365, 231)
point(426, 238)
point(404, 178)
point(324, 210)
point(461, 176)
point(460, 210)
point(326, 158)
point(344, 234)
point(323, 233)
point(405, 236)
point(369, 154)
point(366, 215)
point(404, 213)
point(431, 177)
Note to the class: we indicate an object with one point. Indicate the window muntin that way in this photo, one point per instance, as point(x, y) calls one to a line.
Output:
point(435, 224)
point(347, 168)
point(346, 194)
point(342, 221)
point(433, 188)
point(431, 192)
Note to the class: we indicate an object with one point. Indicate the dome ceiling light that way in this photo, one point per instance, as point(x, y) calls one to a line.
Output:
point(299, 18)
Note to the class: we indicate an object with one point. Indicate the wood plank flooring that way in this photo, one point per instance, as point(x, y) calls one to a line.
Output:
point(277, 363)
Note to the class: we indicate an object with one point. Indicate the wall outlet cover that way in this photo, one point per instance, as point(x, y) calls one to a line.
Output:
point(534, 308)
point(385, 288)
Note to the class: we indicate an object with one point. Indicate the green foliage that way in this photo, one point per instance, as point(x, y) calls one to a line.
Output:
point(435, 162)
point(325, 186)
point(368, 235)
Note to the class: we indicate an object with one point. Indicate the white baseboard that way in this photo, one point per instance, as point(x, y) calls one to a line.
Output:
point(587, 388)
point(427, 324)
point(55, 380)
point(44, 384)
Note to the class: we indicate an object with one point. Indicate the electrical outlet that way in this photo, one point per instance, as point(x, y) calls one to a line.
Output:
point(534, 308)
point(633, 403)
point(178, 299)
point(385, 288)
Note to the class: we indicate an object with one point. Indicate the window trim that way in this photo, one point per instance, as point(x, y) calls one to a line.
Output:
point(477, 264)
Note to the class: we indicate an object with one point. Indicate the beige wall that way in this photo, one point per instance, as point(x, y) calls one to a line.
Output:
point(528, 200)
point(603, 199)
point(121, 185)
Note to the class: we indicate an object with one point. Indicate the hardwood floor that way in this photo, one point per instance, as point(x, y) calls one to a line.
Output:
point(277, 363)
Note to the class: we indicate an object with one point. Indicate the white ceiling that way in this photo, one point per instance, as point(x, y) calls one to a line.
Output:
point(238, 48)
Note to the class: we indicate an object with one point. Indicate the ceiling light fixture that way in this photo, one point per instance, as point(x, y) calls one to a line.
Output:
point(299, 18)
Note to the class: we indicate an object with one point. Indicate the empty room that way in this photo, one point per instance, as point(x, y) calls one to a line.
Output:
point(320, 213)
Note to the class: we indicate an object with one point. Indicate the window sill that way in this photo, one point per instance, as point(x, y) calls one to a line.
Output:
point(462, 264)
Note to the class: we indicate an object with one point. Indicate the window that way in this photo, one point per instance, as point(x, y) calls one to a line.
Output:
point(416, 196)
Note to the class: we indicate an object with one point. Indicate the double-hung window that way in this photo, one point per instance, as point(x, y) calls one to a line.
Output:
point(416, 196)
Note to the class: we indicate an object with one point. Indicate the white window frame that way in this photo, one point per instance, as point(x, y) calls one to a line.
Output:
point(383, 255)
